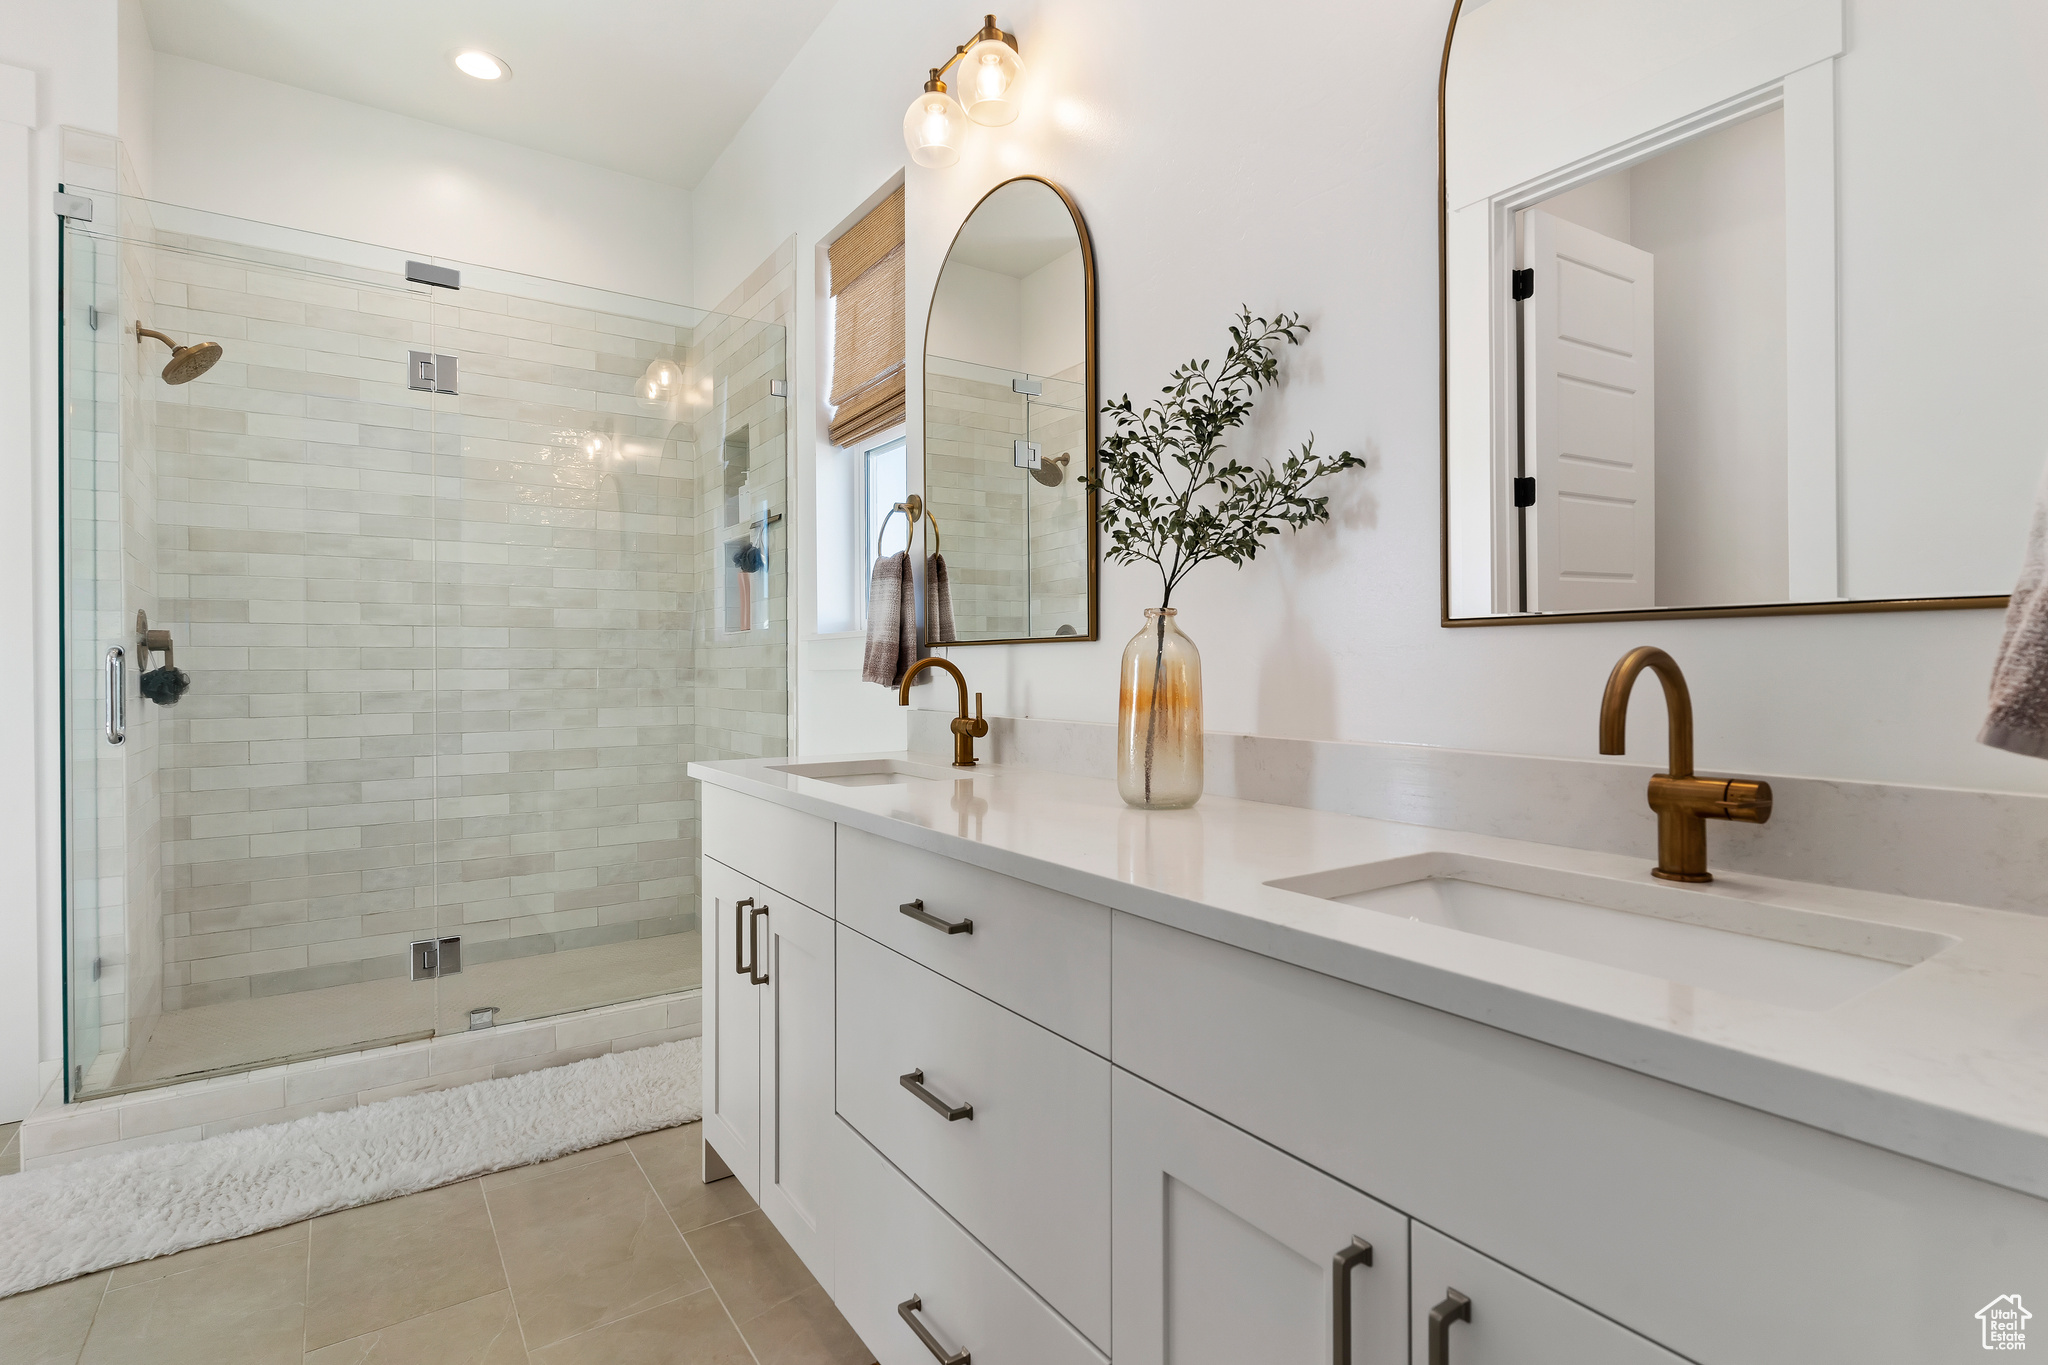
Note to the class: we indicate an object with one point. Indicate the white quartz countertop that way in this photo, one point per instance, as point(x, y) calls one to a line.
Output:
point(1946, 1061)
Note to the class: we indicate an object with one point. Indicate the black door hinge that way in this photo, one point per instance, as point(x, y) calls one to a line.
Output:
point(1524, 283)
point(1525, 491)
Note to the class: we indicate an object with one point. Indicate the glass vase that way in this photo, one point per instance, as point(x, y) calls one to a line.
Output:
point(1159, 717)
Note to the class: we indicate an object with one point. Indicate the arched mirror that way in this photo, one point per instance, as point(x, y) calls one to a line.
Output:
point(1736, 311)
point(1009, 425)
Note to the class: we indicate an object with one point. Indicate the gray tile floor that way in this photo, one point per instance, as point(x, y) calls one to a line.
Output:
point(615, 1256)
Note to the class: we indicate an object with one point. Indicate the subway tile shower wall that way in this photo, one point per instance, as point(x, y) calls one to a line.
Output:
point(443, 657)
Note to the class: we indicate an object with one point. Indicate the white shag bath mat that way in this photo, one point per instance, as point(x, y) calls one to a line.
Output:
point(64, 1221)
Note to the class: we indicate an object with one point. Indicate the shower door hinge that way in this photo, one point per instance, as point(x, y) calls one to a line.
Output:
point(73, 206)
point(440, 276)
point(99, 964)
point(778, 388)
point(1028, 386)
point(436, 957)
point(1026, 455)
point(430, 373)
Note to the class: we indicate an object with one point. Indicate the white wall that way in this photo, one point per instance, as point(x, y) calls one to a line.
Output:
point(241, 145)
point(1712, 211)
point(1053, 299)
point(1324, 203)
point(71, 49)
point(978, 316)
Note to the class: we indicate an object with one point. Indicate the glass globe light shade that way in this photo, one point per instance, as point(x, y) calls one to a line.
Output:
point(989, 73)
point(933, 128)
point(660, 382)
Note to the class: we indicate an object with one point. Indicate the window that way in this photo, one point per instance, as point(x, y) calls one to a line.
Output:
point(885, 481)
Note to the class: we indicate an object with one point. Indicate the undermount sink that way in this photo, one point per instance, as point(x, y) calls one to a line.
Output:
point(867, 772)
point(1779, 954)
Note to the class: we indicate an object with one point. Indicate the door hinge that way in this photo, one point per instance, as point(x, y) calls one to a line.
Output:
point(440, 276)
point(436, 957)
point(73, 206)
point(430, 373)
point(99, 965)
point(1525, 283)
point(1525, 491)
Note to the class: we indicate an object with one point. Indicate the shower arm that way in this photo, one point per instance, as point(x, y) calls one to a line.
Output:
point(141, 332)
point(149, 642)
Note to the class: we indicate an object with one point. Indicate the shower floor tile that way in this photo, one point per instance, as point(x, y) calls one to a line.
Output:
point(245, 1033)
point(424, 1279)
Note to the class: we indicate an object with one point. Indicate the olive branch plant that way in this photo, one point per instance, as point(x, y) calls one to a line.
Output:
point(1171, 495)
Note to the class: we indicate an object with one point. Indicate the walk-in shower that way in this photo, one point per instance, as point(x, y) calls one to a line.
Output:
point(447, 646)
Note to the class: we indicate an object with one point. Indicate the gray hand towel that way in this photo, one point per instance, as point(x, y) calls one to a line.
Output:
point(2019, 683)
point(892, 622)
point(938, 599)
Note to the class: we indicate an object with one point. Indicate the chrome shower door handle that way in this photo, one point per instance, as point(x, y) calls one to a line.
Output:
point(754, 972)
point(117, 695)
point(907, 1310)
point(915, 909)
point(1341, 1265)
point(1455, 1308)
point(951, 1113)
point(741, 939)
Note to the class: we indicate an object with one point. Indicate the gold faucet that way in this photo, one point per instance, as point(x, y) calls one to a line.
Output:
point(966, 728)
point(1683, 803)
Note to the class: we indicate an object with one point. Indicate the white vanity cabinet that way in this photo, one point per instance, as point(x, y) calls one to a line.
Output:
point(1228, 1250)
point(1179, 1150)
point(769, 989)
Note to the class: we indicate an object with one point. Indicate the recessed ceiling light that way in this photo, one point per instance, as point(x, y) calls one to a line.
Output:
point(481, 65)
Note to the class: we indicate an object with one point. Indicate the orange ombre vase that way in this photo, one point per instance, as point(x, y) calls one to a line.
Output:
point(1159, 717)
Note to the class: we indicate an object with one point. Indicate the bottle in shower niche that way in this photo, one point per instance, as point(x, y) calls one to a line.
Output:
point(1159, 717)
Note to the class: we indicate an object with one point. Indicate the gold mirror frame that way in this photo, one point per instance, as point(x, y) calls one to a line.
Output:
point(1443, 298)
point(1091, 398)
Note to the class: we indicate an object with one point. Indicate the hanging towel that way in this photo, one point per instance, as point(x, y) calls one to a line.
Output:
point(2019, 682)
point(892, 622)
point(938, 604)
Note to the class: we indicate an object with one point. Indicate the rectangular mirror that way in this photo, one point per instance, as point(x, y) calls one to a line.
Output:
point(1009, 425)
point(1736, 315)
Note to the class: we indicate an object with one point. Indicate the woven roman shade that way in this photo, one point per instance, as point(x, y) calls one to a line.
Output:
point(867, 324)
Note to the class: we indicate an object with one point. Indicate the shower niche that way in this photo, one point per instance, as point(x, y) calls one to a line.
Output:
point(445, 655)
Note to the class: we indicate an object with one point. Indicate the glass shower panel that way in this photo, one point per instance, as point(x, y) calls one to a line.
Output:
point(449, 645)
point(571, 575)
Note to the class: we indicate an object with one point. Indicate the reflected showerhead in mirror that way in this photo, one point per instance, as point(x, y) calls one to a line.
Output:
point(187, 363)
point(1052, 472)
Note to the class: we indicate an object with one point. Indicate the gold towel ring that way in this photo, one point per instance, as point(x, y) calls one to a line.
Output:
point(912, 508)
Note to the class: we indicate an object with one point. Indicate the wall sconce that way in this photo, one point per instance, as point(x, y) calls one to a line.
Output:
point(989, 71)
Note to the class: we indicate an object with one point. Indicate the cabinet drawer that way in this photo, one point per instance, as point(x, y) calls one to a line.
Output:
point(1043, 954)
point(780, 848)
point(894, 1245)
point(1507, 1318)
point(1706, 1226)
point(1028, 1173)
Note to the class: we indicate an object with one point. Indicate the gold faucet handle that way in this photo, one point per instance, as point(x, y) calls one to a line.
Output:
point(976, 726)
point(1748, 802)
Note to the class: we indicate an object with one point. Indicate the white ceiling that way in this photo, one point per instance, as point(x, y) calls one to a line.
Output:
point(654, 88)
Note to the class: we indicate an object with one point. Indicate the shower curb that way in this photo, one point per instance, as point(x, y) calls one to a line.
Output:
point(57, 1132)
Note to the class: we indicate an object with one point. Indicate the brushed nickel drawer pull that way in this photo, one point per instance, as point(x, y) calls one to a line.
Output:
point(740, 937)
point(917, 912)
point(1357, 1254)
point(754, 972)
point(1455, 1308)
point(907, 1310)
point(952, 1113)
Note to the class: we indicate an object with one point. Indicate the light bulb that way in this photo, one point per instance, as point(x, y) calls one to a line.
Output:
point(933, 126)
point(481, 65)
point(992, 69)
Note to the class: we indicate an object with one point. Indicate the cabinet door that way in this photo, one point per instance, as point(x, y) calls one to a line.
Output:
point(1227, 1250)
point(1506, 1317)
point(796, 1078)
point(732, 1025)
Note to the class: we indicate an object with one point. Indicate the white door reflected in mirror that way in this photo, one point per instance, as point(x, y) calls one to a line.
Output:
point(1798, 226)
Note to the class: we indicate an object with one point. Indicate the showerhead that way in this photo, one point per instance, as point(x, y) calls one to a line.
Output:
point(187, 363)
point(1052, 472)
